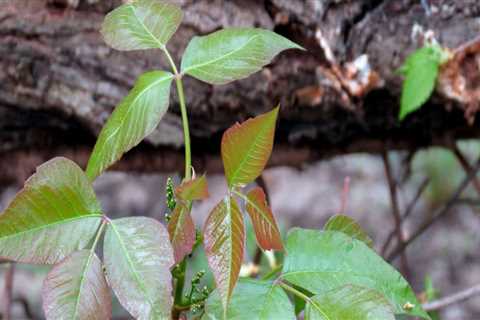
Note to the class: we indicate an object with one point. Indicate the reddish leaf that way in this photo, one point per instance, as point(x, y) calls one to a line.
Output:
point(182, 232)
point(246, 148)
point(224, 239)
point(266, 229)
point(194, 189)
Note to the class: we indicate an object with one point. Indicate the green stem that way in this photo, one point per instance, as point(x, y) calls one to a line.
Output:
point(272, 272)
point(98, 235)
point(180, 282)
point(294, 291)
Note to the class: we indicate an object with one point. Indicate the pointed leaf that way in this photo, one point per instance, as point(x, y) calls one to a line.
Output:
point(349, 303)
point(350, 227)
point(252, 300)
point(76, 289)
point(194, 189)
point(141, 24)
point(181, 229)
point(323, 260)
point(54, 215)
point(246, 148)
point(131, 121)
point(266, 229)
point(231, 54)
point(224, 240)
point(138, 257)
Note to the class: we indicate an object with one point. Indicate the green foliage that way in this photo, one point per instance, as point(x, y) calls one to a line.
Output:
point(57, 203)
point(138, 258)
point(132, 120)
point(322, 261)
point(348, 226)
point(56, 216)
point(252, 300)
point(232, 54)
point(76, 289)
point(420, 70)
point(349, 302)
point(141, 24)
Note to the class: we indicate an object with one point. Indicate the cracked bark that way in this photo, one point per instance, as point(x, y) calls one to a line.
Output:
point(59, 81)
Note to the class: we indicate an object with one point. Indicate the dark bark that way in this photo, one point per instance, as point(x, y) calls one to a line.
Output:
point(59, 81)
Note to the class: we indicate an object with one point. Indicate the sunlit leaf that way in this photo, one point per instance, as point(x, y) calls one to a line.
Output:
point(232, 54)
point(266, 229)
point(194, 189)
point(323, 260)
point(348, 226)
point(54, 215)
point(76, 289)
point(246, 148)
point(420, 70)
point(182, 231)
point(141, 24)
point(138, 257)
point(252, 300)
point(224, 239)
point(349, 303)
point(131, 121)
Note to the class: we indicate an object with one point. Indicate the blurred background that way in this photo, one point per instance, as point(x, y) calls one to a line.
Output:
point(59, 83)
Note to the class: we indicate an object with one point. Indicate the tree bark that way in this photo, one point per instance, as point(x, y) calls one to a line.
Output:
point(59, 81)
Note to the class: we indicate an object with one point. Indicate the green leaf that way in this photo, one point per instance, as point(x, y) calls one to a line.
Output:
point(131, 121)
point(54, 215)
point(252, 300)
point(349, 303)
point(231, 54)
point(348, 226)
point(141, 24)
point(246, 148)
point(323, 260)
point(224, 242)
point(181, 229)
point(138, 257)
point(266, 229)
point(420, 70)
point(76, 289)
point(194, 189)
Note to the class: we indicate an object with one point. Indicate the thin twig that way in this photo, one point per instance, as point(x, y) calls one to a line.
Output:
point(407, 213)
point(392, 186)
point(452, 299)
point(344, 198)
point(466, 166)
point(440, 213)
point(8, 291)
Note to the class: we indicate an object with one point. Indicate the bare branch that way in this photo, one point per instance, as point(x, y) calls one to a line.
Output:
point(452, 299)
point(466, 166)
point(8, 291)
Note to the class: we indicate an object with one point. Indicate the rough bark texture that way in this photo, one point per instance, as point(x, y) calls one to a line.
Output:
point(59, 81)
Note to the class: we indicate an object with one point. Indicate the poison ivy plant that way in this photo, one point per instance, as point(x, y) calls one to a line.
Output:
point(56, 218)
point(420, 70)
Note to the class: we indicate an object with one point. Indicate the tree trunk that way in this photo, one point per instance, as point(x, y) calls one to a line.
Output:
point(59, 81)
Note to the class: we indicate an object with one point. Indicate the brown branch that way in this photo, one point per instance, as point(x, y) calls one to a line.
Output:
point(466, 166)
point(392, 186)
point(408, 212)
point(8, 291)
point(344, 197)
point(452, 299)
point(440, 213)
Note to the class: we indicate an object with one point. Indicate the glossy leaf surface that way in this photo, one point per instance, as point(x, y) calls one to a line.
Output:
point(323, 260)
point(246, 148)
point(349, 303)
point(231, 54)
point(350, 227)
point(138, 257)
point(131, 121)
point(181, 229)
point(224, 241)
point(76, 289)
point(266, 229)
point(194, 189)
point(252, 300)
point(55, 214)
point(141, 24)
